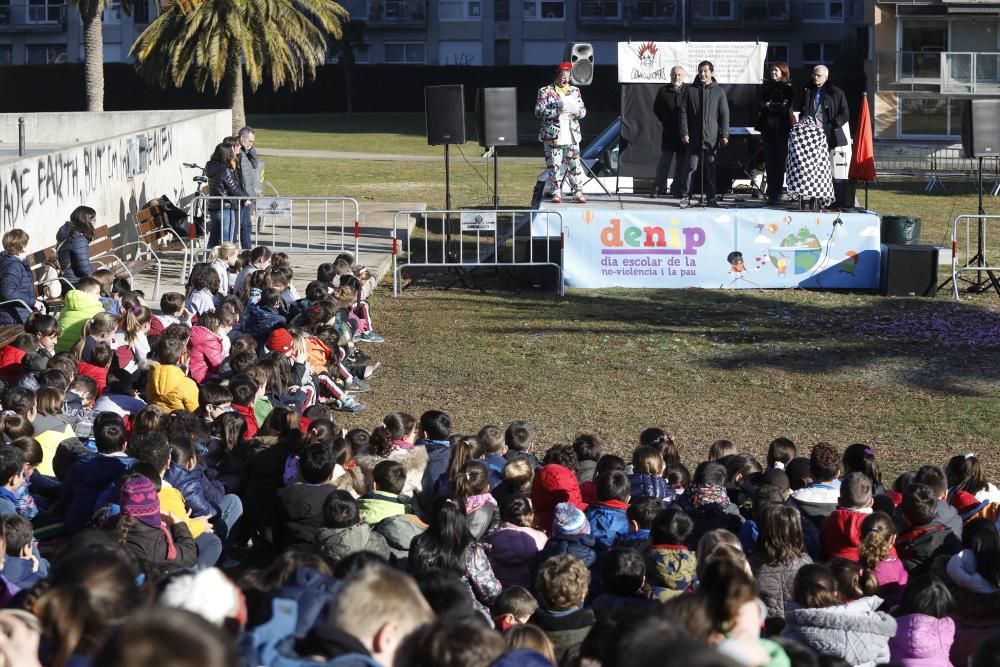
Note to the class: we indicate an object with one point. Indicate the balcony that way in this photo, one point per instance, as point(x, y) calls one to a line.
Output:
point(951, 72)
point(601, 12)
point(388, 13)
point(740, 13)
point(656, 11)
point(34, 17)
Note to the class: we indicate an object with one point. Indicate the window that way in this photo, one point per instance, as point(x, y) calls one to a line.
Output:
point(776, 52)
point(140, 11)
point(5, 12)
point(6, 54)
point(819, 53)
point(361, 55)
point(460, 10)
point(544, 9)
point(45, 54)
point(823, 11)
point(502, 10)
point(404, 53)
point(600, 9)
point(113, 11)
point(930, 117)
point(44, 11)
point(721, 10)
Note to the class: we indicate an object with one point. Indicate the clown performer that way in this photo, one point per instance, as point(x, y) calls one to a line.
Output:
point(560, 107)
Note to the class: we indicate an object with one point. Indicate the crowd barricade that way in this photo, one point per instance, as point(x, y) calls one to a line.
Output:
point(965, 252)
point(462, 240)
point(936, 164)
point(288, 224)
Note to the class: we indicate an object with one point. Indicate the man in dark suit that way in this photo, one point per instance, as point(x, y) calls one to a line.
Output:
point(704, 127)
point(667, 108)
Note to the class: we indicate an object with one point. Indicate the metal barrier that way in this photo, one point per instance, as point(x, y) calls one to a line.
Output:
point(974, 261)
point(280, 222)
point(478, 238)
point(934, 163)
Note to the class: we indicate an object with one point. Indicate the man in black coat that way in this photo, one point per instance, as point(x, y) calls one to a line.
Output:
point(826, 103)
point(704, 121)
point(667, 108)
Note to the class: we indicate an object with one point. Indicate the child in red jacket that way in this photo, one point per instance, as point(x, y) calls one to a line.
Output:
point(840, 533)
point(96, 365)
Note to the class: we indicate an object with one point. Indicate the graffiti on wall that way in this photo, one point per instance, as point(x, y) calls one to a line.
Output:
point(73, 176)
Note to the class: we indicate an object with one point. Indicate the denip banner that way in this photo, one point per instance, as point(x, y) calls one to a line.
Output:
point(713, 248)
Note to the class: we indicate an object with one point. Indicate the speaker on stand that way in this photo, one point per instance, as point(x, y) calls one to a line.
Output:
point(496, 125)
point(981, 138)
point(444, 112)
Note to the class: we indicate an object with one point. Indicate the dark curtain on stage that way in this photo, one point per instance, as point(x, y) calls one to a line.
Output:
point(639, 150)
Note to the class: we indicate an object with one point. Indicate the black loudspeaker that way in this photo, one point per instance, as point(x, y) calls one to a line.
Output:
point(981, 128)
point(909, 270)
point(444, 109)
point(581, 56)
point(496, 116)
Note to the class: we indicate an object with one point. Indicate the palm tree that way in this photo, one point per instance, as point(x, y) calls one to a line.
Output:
point(216, 41)
point(91, 12)
point(346, 48)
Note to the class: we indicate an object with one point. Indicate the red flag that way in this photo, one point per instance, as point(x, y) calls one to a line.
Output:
point(863, 158)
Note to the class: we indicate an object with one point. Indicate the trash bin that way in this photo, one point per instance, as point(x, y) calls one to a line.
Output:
point(900, 230)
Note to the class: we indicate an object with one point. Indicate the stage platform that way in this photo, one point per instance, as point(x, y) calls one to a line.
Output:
point(631, 240)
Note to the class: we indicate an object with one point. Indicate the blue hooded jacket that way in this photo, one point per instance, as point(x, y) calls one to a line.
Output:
point(607, 522)
point(87, 480)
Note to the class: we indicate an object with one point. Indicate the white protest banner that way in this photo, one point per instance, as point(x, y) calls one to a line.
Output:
point(274, 206)
point(479, 221)
point(651, 62)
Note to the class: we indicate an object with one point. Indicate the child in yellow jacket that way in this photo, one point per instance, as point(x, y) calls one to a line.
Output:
point(168, 386)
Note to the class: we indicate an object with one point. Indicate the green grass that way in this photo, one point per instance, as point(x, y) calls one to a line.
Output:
point(392, 133)
point(747, 366)
point(706, 364)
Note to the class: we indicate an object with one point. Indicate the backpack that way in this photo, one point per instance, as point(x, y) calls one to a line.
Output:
point(270, 644)
point(295, 609)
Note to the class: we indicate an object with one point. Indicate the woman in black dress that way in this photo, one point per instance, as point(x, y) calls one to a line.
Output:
point(774, 123)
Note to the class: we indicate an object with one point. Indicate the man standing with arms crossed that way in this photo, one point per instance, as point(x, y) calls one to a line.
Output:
point(248, 168)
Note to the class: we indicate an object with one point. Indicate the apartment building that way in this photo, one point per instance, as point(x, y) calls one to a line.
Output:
point(495, 32)
point(932, 55)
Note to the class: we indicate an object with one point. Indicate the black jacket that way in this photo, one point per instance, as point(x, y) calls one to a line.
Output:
point(774, 110)
point(704, 115)
point(667, 108)
point(832, 111)
point(222, 182)
point(300, 514)
point(16, 283)
point(149, 545)
point(74, 254)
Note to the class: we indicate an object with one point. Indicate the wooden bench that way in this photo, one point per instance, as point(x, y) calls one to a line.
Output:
point(153, 229)
point(107, 251)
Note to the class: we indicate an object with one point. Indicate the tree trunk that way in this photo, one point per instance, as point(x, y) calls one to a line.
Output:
point(234, 94)
point(93, 56)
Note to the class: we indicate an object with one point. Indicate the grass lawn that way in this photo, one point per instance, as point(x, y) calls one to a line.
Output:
point(918, 379)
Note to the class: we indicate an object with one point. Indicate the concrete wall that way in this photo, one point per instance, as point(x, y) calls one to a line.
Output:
point(38, 193)
point(71, 128)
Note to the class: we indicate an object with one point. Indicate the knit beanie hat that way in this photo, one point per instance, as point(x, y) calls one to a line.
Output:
point(570, 520)
point(139, 499)
point(280, 341)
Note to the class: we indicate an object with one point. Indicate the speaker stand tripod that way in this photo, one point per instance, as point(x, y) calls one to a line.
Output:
point(985, 278)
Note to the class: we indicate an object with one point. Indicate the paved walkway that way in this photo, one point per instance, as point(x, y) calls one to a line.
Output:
point(472, 154)
point(304, 247)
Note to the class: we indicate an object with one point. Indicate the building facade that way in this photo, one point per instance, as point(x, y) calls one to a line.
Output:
point(931, 56)
point(494, 32)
